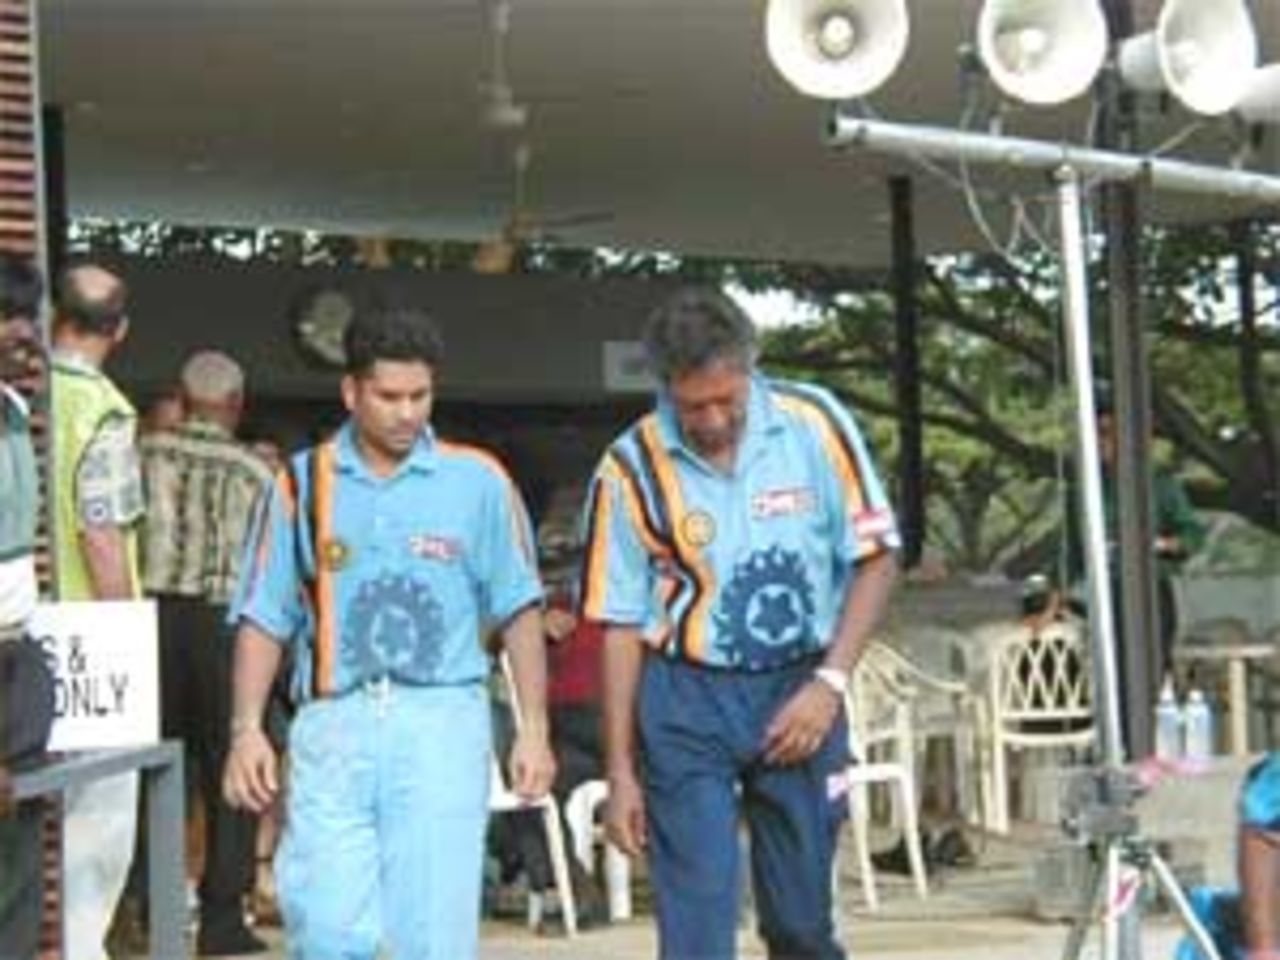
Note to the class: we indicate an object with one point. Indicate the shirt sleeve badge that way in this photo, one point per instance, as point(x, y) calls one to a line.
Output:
point(875, 524)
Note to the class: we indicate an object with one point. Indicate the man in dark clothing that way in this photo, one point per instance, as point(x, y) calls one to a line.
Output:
point(25, 684)
point(1179, 533)
point(203, 487)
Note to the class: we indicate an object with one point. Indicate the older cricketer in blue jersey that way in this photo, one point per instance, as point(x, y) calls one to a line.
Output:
point(741, 549)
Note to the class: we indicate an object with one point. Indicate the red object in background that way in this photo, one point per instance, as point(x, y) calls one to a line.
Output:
point(574, 663)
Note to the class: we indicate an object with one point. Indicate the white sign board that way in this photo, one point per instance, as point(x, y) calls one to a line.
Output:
point(626, 368)
point(106, 672)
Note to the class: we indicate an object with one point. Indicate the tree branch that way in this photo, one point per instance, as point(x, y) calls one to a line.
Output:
point(1224, 336)
point(1188, 433)
point(1251, 375)
point(1001, 335)
point(1035, 459)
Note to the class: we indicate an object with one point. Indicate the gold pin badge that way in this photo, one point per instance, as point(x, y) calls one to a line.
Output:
point(335, 554)
point(698, 528)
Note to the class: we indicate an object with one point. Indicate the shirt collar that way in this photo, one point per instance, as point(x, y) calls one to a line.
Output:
point(10, 397)
point(762, 420)
point(421, 459)
point(200, 427)
point(71, 360)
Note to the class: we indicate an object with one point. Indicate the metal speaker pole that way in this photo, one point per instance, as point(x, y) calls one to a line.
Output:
point(1100, 813)
point(1075, 299)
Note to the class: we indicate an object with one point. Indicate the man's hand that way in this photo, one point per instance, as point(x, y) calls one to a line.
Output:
point(624, 815)
point(804, 721)
point(533, 765)
point(249, 781)
point(6, 792)
point(558, 624)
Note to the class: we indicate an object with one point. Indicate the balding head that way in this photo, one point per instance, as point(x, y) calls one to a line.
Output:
point(210, 376)
point(213, 388)
point(91, 299)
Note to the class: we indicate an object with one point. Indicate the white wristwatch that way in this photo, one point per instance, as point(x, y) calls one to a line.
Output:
point(834, 678)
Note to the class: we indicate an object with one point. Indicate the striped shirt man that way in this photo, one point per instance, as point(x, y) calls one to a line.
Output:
point(202, 488)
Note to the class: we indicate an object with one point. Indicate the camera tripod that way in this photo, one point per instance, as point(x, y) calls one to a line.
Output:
point(1099, 814)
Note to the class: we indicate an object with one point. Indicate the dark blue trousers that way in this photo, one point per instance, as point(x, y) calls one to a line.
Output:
point(701, 733)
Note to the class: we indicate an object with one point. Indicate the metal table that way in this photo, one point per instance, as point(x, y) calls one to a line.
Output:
point(162, 782)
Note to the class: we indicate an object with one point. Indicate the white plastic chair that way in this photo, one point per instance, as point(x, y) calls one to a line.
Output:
point(1039, 697)
point(942, 708)
point(580, 812)
point(883, 746)
point(504, 800)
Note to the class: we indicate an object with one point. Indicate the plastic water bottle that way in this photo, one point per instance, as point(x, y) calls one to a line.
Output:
point(617, 882)
point(1168, 723)
point(1197, 718)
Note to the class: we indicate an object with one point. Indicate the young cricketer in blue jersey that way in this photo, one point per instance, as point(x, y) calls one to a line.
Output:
point(741, 549)
point(381, 557)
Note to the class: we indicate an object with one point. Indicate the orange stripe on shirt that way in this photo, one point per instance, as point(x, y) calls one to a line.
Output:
point(833, 444)
point(657, 545)
point(323, 478)
point(693, 623)
point(595, 566)
point(634, 499)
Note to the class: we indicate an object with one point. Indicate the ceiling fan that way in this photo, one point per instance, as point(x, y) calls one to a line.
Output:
point(499, 109)
point(507, 116)
point(522, 225)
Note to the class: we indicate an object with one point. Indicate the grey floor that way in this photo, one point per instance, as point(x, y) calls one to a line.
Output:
point(981, 913)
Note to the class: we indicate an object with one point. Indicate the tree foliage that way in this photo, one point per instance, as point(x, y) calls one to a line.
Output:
point(992, 365)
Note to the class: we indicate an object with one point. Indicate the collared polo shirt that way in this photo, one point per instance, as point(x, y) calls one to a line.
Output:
point(748, 569)
point(388, 576)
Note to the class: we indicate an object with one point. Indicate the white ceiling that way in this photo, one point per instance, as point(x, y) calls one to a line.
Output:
point(361, 116)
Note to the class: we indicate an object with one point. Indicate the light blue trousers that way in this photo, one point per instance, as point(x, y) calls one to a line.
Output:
point(383, 847)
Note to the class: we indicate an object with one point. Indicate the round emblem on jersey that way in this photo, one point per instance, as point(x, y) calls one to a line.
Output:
point(393, 625)
point(698, 528)
point(766, 611)
point(335, 554)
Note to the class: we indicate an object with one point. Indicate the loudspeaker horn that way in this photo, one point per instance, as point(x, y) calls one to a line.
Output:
point(1261, 100)
point(1203, 53)
point(836, 49)
point(1042, 51)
